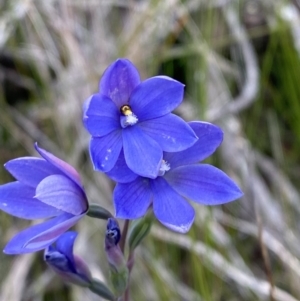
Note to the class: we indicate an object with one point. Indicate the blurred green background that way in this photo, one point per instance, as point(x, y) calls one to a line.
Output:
point(240, 62)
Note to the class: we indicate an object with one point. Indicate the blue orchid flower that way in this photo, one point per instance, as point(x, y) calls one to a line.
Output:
point(180, 177)
point(133, 119)
point(68, 266)
point(45, 187)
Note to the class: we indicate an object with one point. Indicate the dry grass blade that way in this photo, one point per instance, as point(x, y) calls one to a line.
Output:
point(220, 265)
point(273, 244)
point(15, 283)
point(169, 278)
point(249, 89)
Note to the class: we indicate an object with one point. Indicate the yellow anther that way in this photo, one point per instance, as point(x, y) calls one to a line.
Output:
point(126, 110)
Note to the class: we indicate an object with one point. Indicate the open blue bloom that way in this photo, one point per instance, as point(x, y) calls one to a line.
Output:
point(45, 187)
point(134, 118)
point(67, 265)
point(179, 177)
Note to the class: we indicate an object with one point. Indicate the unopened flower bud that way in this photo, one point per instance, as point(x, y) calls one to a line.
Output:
point(113, 252)
point(115, 257)
point(69, 267)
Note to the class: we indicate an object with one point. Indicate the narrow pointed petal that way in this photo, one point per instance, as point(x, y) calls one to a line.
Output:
point(209, 138)
point(172, 210)
point(67, 169)
point(62, 193)
point(155, 97)
point(120, 172)
point(204, 184)
point(101, 115)
point(67, 221)
point(132, 200)
point(40, 236)
point(18, 200)
point(142, 154)
point(171, 132)
point(119, 80)
point(65, 243)
point(104, 151)
point(30, 171)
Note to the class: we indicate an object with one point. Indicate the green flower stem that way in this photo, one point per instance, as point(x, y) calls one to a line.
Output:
point(124, 235)
point(130, 264)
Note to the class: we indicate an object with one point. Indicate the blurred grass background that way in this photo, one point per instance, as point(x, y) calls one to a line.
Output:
point(240, 62)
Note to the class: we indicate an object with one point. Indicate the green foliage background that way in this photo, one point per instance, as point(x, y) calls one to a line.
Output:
point(240, 63)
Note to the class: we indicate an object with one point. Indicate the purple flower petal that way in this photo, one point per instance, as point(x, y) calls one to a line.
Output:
point(120, 172)
point(132, 200)
point(58, 261)
point(119, 80)
point(82, 269)
point(17, 199)
point(67, 221)
point(76, 272)
point(155, 97)
point(142, 154)
point(170, 131)
point(101, 115)
point(67, 169)
point(172, 210)
point(40, 236)
point(104, 151)
point(30, 171)
point(64, 245)
point(204, 184)
point(62, 193)
point(209, 138)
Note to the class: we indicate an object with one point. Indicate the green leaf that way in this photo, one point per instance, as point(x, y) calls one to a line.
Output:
point(97, 211)
point(119, 280)
point(138, 230)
